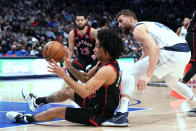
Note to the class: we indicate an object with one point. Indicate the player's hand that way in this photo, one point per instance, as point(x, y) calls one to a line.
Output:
point(56, 69)
point(142, 82)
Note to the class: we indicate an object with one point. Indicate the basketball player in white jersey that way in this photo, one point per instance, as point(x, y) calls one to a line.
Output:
point(165, 55)
point(182, 31)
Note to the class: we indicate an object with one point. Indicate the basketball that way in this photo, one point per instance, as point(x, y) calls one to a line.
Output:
point(54, 50)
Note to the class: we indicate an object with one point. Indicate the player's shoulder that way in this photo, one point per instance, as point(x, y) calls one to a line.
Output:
point(93, 33)
point(108, 69)
point(93, 29)
point(139, 27)
point(71, 33)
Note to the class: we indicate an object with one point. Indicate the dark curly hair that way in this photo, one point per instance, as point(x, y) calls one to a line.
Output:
point(111, 43)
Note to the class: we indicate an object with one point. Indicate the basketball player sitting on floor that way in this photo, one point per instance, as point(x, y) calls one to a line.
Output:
point(101, 91)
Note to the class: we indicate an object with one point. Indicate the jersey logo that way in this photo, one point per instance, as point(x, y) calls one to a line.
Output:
point(161, 26)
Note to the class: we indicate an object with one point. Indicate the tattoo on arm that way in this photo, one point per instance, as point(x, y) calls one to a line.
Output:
point(94, 34)
point(82, 76)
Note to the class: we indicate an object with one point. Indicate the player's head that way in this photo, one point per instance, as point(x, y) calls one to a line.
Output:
point(108, 43)
point(126, 19)
point(103, 22)
point(81, 21)
point(186, 21)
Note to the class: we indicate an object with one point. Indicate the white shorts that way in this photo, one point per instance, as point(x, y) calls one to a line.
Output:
point(170, 62)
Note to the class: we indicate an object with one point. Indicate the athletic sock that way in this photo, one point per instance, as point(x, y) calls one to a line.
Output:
point(124, 103)
point(41, 100)
point(29, 119)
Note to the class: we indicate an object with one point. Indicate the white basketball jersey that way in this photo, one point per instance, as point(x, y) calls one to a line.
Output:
point(162, 35)
point(183, 32)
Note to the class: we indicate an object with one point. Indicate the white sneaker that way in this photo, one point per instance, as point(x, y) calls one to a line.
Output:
point(13, 116)
point(30, 98)
point(17, 117)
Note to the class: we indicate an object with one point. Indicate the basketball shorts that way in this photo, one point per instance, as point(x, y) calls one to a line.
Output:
point(80, 63)
point(170, 62)
point(87, 114)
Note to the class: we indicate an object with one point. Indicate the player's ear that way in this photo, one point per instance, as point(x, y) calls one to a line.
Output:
point(130, 19)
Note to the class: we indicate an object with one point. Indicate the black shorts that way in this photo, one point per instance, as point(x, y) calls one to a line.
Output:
point(88, 113)
point(80, 115)
point(80, 63)
point(83, 103)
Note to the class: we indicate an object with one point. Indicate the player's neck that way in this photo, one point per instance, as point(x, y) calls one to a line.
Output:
point(83, 31)
point(185, 26)
point(105, 61)
point(133, 24)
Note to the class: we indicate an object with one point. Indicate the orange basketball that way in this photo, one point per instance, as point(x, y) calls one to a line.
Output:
point(54, 50)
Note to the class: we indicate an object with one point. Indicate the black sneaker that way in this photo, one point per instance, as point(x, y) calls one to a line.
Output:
point(120, 119)
point(192, 112)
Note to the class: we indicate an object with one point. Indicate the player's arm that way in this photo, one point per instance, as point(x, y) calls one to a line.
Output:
point(149, 46)
point(178, 31)
point(83, 76)
point(71, 42)
point(93, 33)
point(106, 75)
point(145, 53)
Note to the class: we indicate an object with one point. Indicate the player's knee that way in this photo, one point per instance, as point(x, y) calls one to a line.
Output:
point(76, 66)
point(56, 112)
point(128, 84)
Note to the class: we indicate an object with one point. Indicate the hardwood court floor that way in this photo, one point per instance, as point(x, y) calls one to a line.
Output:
point(151, 110)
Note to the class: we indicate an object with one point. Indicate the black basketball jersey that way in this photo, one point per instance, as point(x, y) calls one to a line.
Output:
point(107, 97)
point(192, 26)
point(85, 44)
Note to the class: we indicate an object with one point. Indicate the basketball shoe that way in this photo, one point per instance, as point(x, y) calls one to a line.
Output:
point(31, 100)
point(192, 112)
point(17, 117)
point(120, 119)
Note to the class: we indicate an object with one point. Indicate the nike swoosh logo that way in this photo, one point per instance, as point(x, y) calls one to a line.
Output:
point(115, 119)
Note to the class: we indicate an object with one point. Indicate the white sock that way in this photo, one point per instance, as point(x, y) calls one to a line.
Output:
point(193, 100)
point(124, 103)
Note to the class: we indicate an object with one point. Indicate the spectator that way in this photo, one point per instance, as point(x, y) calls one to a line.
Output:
point(5, 46)
point(1, 51)
point(23, 51)
point(13, 52)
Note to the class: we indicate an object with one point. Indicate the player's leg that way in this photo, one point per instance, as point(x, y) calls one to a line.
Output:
point(190, 73)
point(90, 63)
point(173, 82)
point(50, 114)
point(128, 86)
point(80, 115)
point(59, 96)
point(77, 63)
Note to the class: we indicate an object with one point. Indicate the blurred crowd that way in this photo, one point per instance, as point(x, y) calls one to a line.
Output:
point(27, 25)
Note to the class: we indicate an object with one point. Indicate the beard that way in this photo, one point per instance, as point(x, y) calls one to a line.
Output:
point(126, 29)
point(81, 27)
